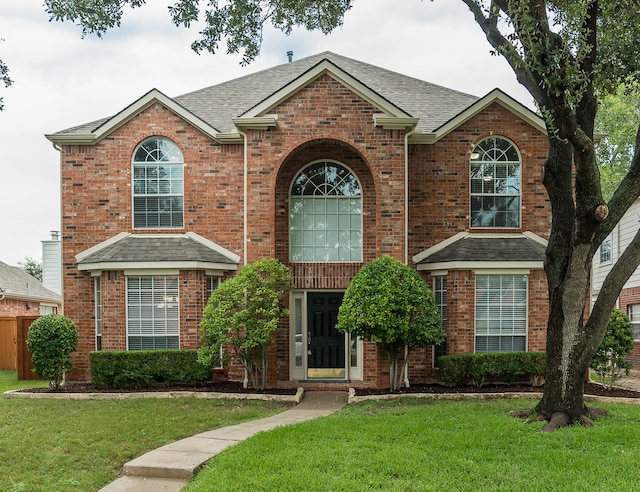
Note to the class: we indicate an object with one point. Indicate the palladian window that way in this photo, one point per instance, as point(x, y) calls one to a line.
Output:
point(158, 185)
point(325, 214)
point(495, 184)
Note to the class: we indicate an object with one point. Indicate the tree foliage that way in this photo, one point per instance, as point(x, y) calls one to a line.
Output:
point(610, 362)
point(32, 267)
point(4, 78)
point(618, 120)
point(243, 313)
point(51, 340)
point(390, 304)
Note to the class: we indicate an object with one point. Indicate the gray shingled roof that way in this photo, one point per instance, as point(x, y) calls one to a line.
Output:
point(491, 249)
point(218, 104)
point(156, 248)
point(18, 284)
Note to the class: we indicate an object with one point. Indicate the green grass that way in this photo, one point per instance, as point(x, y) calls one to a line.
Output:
point(60, 445)
point(424, 445)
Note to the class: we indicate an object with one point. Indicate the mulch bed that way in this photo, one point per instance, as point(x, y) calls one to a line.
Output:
point(589, 389)
point(218, 387)
point(235, 387)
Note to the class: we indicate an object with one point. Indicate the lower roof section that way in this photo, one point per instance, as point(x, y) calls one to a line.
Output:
point(469, 251)
point(127, 251)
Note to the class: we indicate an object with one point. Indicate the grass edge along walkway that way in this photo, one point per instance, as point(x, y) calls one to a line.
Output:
point(422, 445)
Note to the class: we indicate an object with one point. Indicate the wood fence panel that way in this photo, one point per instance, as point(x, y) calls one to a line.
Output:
point(8, 344)
point(25, 368)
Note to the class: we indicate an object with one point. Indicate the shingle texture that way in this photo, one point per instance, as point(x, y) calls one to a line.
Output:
point(218, 104)
point(150, 248)
point(16, 283)
point(489, 249)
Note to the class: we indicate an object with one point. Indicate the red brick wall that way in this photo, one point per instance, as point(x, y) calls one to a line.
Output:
point(322, 121)
point(627, 297)
point(14, 307)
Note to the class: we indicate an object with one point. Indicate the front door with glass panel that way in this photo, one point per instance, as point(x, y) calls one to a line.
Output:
point(326, 346)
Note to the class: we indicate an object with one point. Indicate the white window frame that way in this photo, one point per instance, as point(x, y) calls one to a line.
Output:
point(440, 296)
point(157, 315)
point(634, 316)
point(166, 156)
point(335, 236)
point(490, 313)
point(97, 296)
point(213, 282)
point(491, 160)
point(606, 250)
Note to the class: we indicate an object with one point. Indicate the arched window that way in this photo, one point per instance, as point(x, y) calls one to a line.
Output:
point(158, 200)
point(325, 214)
point(495, 184)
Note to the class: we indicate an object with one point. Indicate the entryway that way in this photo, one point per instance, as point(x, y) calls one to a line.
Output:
point(326, 346)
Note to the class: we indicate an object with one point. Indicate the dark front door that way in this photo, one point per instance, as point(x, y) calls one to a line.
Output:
point(326, 344)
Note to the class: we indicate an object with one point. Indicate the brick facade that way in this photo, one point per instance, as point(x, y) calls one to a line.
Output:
point(627, 297)
point(324, 120)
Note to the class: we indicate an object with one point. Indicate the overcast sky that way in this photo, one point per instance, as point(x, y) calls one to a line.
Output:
point(61, 80)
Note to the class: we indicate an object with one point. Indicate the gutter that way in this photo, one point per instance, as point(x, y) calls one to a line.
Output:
point(406, 194)
point(245, 184)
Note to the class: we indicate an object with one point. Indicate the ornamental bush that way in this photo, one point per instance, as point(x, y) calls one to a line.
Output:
point(51, 340)
point(136, 368)
point(609, 360)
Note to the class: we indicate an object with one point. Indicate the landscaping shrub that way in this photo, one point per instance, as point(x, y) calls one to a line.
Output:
point(51, 339)
point(118, 369)
point(609, 360)
point(503, 366)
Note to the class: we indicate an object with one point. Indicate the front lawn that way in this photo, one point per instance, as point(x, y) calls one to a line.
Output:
point(424, 445)
point(61, 445)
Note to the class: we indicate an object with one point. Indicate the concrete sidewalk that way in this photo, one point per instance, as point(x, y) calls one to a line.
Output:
point(170, 467)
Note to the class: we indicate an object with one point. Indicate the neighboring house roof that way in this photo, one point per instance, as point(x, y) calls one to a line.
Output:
point(219, 110)
point(127, 251)
point(466, 251)
point(15, 283)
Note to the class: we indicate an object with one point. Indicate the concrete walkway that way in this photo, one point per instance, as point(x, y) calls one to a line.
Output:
point(170, 467)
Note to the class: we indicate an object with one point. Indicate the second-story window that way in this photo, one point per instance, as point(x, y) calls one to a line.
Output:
point(158, 185)
point(495, 184)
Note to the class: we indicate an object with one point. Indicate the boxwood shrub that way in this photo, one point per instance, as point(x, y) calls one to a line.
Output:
point(496, 366)
point(136, 368)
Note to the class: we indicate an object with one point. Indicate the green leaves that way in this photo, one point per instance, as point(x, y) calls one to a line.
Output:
point(51, 339)
point(609, 362)
point(243, 312)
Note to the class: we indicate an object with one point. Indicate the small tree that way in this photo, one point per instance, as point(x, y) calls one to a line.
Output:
point(242, 313)
point(389, 303)
point(51, 339)
point(609, 361)
point(32, 267)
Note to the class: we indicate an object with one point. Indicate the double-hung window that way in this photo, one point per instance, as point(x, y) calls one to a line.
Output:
point(153, 312)
point(634, 317)
point(495, 184)
point(158, 200)
point(501, 313)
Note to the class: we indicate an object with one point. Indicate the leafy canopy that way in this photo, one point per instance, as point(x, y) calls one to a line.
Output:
point(389, 303)
point(51, 339)
point(243, 312)
point(610, 361)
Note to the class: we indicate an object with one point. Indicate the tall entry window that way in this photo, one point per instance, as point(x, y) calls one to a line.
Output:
point(325, 214)
point(495, 184)
point(158, 184)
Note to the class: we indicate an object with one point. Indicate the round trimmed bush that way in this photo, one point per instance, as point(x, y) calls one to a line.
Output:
point(51, 339)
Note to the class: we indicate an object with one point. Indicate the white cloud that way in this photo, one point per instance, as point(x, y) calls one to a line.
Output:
point(62, 80)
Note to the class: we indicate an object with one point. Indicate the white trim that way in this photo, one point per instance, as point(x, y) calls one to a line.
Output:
point(124, 116)
point(483, 265)
point(328, 68)
point(161, 272)
point(158, 265)
point(502, 271)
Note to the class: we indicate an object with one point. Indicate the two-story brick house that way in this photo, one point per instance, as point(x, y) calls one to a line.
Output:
point(324, 163)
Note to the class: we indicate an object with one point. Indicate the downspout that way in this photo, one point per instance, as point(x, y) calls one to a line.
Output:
point(245, 234)
point(406, 231)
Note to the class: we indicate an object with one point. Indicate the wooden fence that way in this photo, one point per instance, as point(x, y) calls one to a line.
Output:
point(14, 354)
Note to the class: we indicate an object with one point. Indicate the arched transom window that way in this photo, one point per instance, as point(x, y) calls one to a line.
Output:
point(158, 200)
point(325, 214)
point(495, 184)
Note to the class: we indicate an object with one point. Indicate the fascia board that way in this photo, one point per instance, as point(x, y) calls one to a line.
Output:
point(158, 265)
point(394, 122)
point(215, 247)
point(499, 97)
point(480, 265)
point(437, 247)
point(83, 254)
point(128, 114)
point(256, 122)
point(322, 68)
